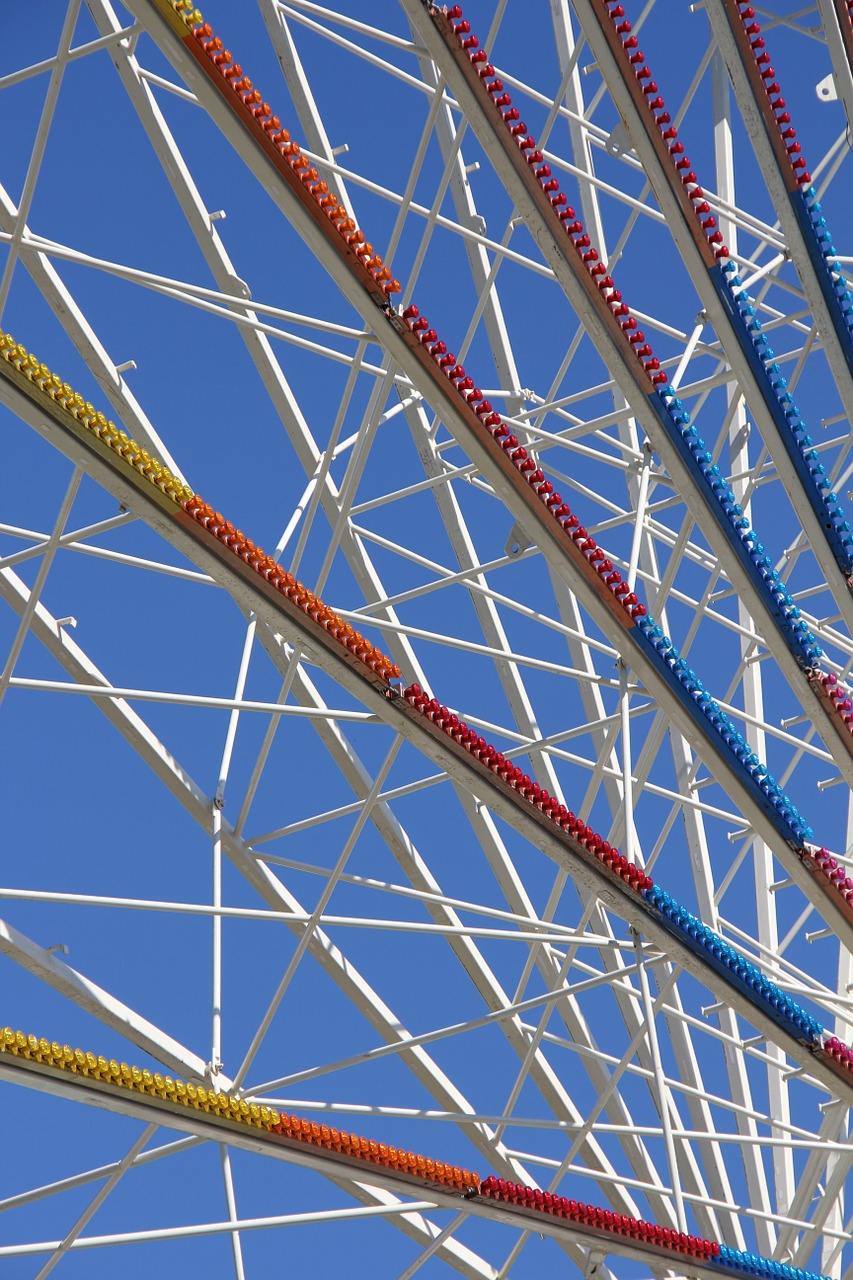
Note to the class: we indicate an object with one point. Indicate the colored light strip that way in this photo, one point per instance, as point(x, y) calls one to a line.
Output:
point(797, 635)
point(668, 408)
point(236, 1110)
point(491, 422)
point(266, 127)
point(455, 28)
point(276, 576)
point(713, 950)
point(681, 682)
point(743, 320)
point(447, 1175)
point(796, 631)
point(678, 921)
point(747, 976)
point(665, 653)
point(357, 1151)
point(743, 557)
point(787, 153)
point(40, 379)
point(137, 458)
point(821, 862)
point(64, 397)
point(600, 1219)
point(593, 556)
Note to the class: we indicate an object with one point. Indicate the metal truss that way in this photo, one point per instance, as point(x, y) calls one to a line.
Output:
point(223, 859)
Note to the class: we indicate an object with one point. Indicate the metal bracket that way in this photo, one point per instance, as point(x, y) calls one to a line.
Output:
point(517, 541)
point(620, 141)
point(826, 89)
point(241, 289)
point(594, 1259)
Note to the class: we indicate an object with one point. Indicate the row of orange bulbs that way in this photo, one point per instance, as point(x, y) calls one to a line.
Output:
point(274, 132)
point(379, 663)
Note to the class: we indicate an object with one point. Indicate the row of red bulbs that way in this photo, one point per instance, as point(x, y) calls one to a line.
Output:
point(839, 695)
point(668, 131)
point(522, 461)
point(378, 662)
point(590, 1215)
point(830, 868)
point(549, 184)
point(271, 125)
point(777, 103)
point(262, 112)
point(523, 785)
point(297, 594)
point(839, 1051)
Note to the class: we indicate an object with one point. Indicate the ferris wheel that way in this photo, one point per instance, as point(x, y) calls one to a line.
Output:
point(426, 652)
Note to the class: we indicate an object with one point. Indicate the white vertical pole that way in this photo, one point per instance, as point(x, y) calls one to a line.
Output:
point(660, 1083)
point(218, 803)
point(216, 965)
point(753, 697)
point(624, 696)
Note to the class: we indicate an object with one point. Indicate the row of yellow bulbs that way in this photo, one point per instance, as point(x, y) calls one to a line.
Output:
point(187, 12)
point(62, 1057)
point(88, 416)
point(50, 384)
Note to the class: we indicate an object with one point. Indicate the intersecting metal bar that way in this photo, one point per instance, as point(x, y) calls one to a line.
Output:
point(345, 973)
point(95, 356)
point(231, 1203)
point(838, 28)
point(753, 1162)
point(44, 568)
point(65, 648)
point(708, 279)
point(316, 915)
point(151, 1039)
point(774, 164)
point(99, 1003)
point(660, 1087)
point(85, 1089)
point(39, 144)
point(78, 51)
point(703, 506)
point(70, 1239)
point(254, 595)
point(502, 475)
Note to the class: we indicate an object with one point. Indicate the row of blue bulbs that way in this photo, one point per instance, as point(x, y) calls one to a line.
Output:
point(828, 251)
point(799, 638)
point(778, 384)
point(734, 740)
point(780, 1003)
point(754, 1265)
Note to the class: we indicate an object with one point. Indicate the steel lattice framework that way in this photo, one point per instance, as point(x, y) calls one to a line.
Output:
point(278, 845)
